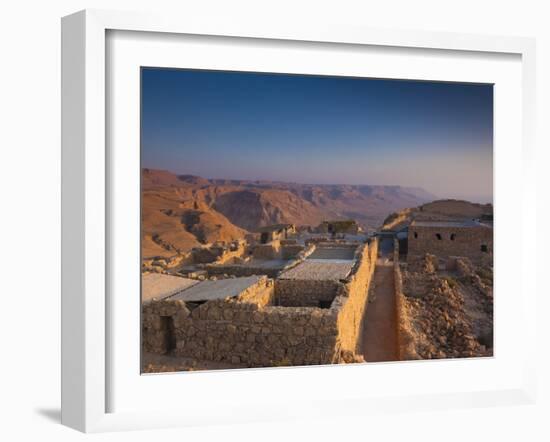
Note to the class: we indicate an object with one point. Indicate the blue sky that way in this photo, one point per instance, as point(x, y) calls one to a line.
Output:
point(320, 130)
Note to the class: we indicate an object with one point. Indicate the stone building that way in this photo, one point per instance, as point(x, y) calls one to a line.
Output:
point(276, 232)
point(241, 321)
point(444, 239)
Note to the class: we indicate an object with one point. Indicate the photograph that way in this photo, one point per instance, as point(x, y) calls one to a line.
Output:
point(303, 220)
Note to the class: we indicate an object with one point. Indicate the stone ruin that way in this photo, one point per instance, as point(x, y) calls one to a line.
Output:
point(310, 314)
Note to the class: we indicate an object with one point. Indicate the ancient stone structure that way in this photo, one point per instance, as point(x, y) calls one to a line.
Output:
point(339, 226)
point(444, 239)
point(238, 320)
point(276, 232)
point(219, 253)
point(270, 250)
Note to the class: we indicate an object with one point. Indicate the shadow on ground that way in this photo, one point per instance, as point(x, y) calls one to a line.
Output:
point(51, 414)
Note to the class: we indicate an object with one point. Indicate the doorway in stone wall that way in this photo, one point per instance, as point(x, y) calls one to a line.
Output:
point(168, 331)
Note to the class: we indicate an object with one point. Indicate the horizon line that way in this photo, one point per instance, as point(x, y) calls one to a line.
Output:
point(286, 182)
point(479, 198)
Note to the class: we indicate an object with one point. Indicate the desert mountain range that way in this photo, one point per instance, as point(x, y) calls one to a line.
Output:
point(180, 212)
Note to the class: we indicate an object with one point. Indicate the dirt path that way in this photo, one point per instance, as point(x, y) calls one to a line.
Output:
point(380, 330)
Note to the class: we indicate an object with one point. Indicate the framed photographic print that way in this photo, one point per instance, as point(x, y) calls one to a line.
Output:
point(263, 222)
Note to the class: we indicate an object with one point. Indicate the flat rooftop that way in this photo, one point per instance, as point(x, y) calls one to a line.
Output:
point(320, 269)
point(219, 289)
point(339, 253)
point(160, 286)
point(467, 223)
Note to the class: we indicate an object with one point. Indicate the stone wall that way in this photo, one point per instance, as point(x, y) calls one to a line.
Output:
point(290, 251)
point(352, 301)
point(256, 336)
point(305, 293)
point(243, 330)
point(270, 250)
point(455, 241)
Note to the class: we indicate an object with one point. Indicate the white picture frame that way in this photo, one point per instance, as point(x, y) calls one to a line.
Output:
point(86, 316)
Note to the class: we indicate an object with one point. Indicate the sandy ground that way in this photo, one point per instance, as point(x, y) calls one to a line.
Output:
point(380, 330)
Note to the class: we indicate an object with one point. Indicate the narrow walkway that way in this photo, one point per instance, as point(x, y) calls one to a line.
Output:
point(380, 329)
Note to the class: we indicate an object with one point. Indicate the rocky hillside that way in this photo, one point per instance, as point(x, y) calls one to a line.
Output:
point(447, 314)
point(175, 220)
point(438, 210)
point(183, 211)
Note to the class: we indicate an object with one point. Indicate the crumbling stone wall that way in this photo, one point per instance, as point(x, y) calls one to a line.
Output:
point(352, 300)
point(248, 269)
point(160, 264)
point(218, 253)
point(455, 241)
